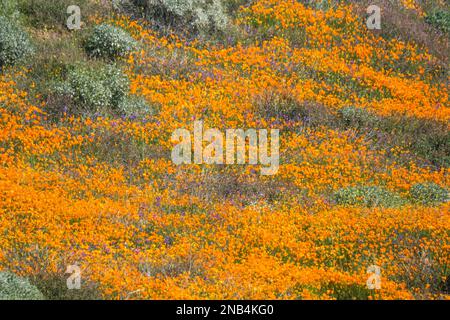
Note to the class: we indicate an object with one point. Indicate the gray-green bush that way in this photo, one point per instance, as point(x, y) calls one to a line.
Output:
point(92, 89)
point(109, 42)
point(193, 15)
point(13, 287)
point(101, 89)
point(15, 44)
point(356, 117)
point(367, 196)
point(134, 106)
point(428, 193)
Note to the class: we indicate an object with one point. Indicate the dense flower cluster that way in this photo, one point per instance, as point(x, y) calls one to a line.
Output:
point(103, 194)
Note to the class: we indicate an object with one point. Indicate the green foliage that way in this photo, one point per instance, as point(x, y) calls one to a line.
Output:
point(191, 15)
point(367, 196)
point(439, 19)
point(134, 106)
point(110, 42)
point(355, 117)
point(99, 89)
point(8, 8)
point(428, 193)
point(115, 81)
point(14, 43)
point(13, 287)
point(94, 89)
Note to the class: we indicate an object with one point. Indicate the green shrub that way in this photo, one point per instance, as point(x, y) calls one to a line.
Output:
point(355, 117)
point(428, 193)
point(14, 43)
point(13, 287)
point(367, 196)
point(193, 15)
point(439, 19)
point(8, 8)
point(134, 106)
point(101, 89)
point(115, 81)
point(94, 89)
point(110, 42)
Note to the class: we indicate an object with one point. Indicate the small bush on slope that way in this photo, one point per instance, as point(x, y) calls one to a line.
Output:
point(94, 89)
point(367, 196)
point(428, 193)
point(13, 287)
point(110, 42)
point(356, 117)
point(439, 19)
point(134, 106)
point(192, 15)
point(89, 89)
point(14, 43)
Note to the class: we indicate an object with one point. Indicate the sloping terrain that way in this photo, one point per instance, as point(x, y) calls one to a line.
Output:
point(87, 179)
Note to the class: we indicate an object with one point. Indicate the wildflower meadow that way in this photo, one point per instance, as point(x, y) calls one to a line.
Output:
point(238, 149)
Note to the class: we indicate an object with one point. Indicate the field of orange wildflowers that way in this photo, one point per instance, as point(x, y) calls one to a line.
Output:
point(101, 192)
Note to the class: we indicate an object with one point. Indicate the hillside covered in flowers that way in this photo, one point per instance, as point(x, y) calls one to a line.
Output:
point(86, 175)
